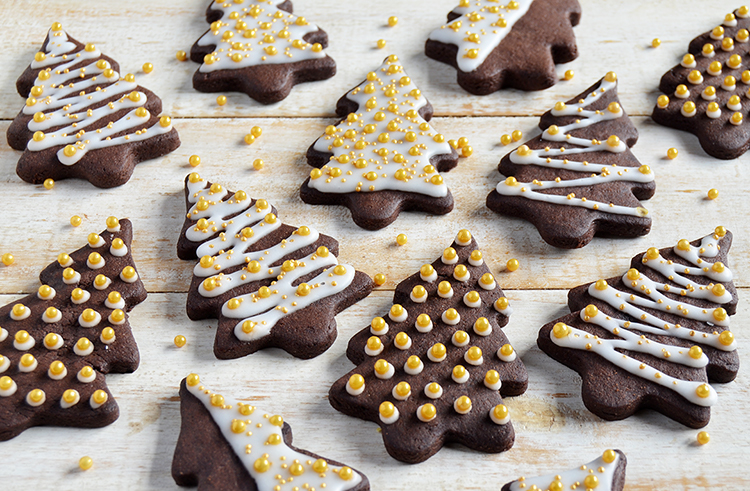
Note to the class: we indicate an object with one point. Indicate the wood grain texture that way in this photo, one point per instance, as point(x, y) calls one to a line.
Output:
point(554, 430)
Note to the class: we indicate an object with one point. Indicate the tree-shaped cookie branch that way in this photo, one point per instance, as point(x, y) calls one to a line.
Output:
point(259, 48)
point(82, 119)
point(383, 157)
point(706, 92)
point(506, 45)
point(228, 445)
point(653, 337)
point(57, 343)
point(578, 178)
point(433, 370)
point(606, 473)
point(268, 283)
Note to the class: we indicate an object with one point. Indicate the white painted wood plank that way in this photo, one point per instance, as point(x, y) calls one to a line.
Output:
point(554, 430)
point(615, 35)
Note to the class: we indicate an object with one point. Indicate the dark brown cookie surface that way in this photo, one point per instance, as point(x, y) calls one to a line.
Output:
point(579, 178)
point(82, 119)
point(269, 284)
point(383, 157)
point(262, 51)
point(213, 454)
point(434, 369)
point(655, 337)
point(606, 473)
point(57, 344)
point(705, 93)
point(512, 45)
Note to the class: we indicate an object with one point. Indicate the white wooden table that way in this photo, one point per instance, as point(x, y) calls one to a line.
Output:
point(554, 430)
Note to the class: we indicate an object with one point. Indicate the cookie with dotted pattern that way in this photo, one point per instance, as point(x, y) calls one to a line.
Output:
point(654, 337)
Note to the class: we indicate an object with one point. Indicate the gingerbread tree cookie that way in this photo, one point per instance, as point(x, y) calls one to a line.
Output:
point(82, 119)
point(578, 178)
point(607, 473)
point(384, 157)
point(57, 343)
point(433, 370)
point(217, 451)
point(495, 45)
point(268, 283)
point(653, 337)
point(706, 92)
point(260, 48)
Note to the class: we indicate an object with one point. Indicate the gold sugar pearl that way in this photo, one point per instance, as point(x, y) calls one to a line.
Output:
point(392, 21)
point(379, 279)
point(181, 56)
point(180, 341)
point(703, 438)
point(148, 67)
point(221, 100)
point(466, 151)
point(194, 161)
point(713, 193)
point(655, 43)
point(401, 239)
point(381, 43)
point(76, 221)
point(506, 139)
point(672, 153)
point(512, 265)
point(49, 183)
point(258, 164)
point(8, 259)
point(85, 463)
point(569, 74)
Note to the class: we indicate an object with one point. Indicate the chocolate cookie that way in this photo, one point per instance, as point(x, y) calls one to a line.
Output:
point(400, 169)
point(82, 119)
point(513, 45)
point(703, 93)
point(262, 50)
point(607, 473)
point(57, 343)
point(216, 451)
point(268, 283)
point(579, 178)
point(434, 369)
point(654, 337)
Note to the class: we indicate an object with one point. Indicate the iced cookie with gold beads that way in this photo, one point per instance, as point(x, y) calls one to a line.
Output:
point(383, 157)
point(228, 445)
point(435, 368)
point(259, 48)
point(656, 336)
point(83, 119)
point(606, 473)
point(706, 94)
point(57, 344)
point(578, 178)
point(495, 45)
point(268, 283)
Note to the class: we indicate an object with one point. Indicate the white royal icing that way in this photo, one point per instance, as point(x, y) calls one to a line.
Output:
point(604, 472)
point(72, 113)
point(555, 158)
point(251, 444)
point(389, 97)
point(255, 26)
point(481, 28)
point(639, 307)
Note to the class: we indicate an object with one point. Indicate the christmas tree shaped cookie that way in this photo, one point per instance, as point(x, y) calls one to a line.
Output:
point(57, 343)
point(268, 283)
point(607, 473)
point(579, 177)
point(383, 157)
point(706, 94)
point(82, 119)
point(653, 337)
point(260, 48)
point(433, 369)
point(227, 445)
point(495, 45)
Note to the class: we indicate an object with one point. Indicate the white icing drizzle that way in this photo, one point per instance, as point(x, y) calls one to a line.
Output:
point(555, 158)
point(227, 250)
point(635, 306)
point(481, 28)
point(387, 120)
point(64, 105)
point(251, 445)
point(604, 472)
point(256, 32)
